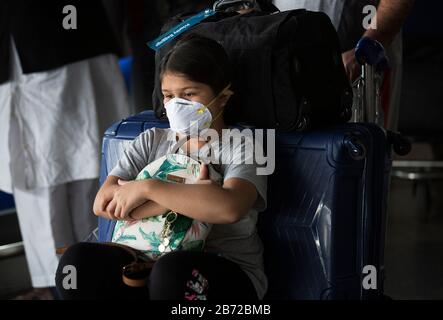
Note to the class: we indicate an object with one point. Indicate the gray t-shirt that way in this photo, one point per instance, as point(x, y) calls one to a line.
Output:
point(238, 242)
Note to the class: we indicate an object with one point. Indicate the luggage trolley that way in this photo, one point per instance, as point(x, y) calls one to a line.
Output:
point(367, 104)
point(367, 97)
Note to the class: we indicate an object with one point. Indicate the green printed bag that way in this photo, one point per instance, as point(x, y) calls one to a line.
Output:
point(156, 236)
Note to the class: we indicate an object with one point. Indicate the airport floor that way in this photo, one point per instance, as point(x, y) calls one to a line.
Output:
point(414, 246)
point(414, 240)
point(413, 255)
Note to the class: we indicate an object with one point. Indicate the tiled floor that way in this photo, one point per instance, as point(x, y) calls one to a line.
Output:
point(14, 277)
point(414, 248)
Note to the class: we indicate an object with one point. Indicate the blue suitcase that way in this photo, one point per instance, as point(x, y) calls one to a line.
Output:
point(326, 208)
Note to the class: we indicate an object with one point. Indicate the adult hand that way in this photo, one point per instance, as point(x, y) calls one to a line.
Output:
point(352, 67)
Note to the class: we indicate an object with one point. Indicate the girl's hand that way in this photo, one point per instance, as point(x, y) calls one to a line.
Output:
point(203, 178)
point(104, 197)
point(122, 182)
point(130, 195)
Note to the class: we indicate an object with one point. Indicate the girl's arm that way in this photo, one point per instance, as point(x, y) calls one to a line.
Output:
point(208, 203)
point(105, 203)
point(149, 209)
point(205, 202)
point(104, 197)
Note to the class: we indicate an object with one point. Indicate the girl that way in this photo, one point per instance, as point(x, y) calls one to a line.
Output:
point(195, 80)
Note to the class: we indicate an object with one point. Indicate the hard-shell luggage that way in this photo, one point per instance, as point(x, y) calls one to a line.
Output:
point(324, 228)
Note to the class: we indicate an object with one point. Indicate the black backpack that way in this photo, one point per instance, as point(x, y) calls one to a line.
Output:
point(288, 70)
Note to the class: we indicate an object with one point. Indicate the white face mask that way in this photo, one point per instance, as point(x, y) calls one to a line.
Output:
point(184, 114)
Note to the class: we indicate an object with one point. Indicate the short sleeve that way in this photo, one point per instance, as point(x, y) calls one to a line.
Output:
point(248, 172)
point(135, 157)
point(242, 166)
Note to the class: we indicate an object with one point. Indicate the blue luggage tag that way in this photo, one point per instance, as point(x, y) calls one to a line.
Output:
point(179, 29)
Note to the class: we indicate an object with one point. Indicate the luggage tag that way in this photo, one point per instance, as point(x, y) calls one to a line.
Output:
point(179, 29)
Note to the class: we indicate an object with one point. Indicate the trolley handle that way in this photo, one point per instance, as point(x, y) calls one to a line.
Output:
point(372, 53)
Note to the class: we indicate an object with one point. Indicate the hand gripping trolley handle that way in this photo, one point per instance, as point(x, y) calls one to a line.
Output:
point(367, 107)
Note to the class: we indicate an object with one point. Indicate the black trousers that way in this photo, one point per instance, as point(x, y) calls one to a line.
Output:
point(181, 275)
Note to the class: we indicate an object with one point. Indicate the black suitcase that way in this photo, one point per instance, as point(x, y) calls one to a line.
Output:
point(326, 213)
point(324, 228)
point(280, 61)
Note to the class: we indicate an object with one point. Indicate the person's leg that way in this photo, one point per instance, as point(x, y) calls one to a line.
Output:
point(5, 116)
point(94, 271)
point(52, 218)
point(59, 210)
point(32, 206)
point(35, 226)
point(72, 218)
point(187, 275)
point(81, 195)
point(395, 54)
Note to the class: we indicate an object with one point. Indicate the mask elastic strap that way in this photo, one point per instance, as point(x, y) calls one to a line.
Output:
point(224, 91)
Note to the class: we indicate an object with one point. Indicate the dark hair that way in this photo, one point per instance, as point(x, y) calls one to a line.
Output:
point(200, 59)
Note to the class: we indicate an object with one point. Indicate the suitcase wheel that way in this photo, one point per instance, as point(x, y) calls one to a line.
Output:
point(356, 148)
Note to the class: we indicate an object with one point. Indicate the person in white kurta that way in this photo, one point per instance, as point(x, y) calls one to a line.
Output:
point(348, 17)
point(51, 128)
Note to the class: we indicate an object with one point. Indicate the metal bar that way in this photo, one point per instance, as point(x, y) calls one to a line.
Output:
point(417, 164)
point(370, 113)
point(379, 118)
point(7, 211)
point(358, 88)
point(417, 175)
point(11, 250)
